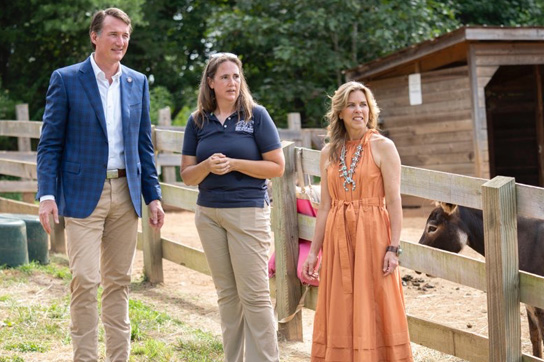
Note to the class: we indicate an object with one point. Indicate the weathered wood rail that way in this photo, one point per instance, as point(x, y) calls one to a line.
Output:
point(500, 199)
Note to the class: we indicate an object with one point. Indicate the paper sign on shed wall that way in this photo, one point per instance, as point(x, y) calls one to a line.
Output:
point(414, 88)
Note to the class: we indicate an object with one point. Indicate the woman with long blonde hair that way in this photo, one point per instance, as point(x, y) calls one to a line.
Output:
point(360, 309)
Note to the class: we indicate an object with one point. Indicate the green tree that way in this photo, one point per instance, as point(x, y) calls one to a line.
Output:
point(159, 97)
point(37, 37)
point(500, 12)
point(294, 51)
point(172, 48)
point(7, 112)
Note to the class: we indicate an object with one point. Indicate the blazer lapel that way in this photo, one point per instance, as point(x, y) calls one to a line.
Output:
point(88, 81)
point(126, 92)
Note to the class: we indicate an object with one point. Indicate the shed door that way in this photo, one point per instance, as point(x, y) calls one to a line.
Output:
point(515, 123)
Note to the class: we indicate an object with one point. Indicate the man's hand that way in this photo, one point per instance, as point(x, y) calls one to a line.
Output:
point(48, 207)
point(156, 214)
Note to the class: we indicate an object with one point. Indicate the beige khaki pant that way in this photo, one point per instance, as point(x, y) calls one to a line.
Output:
point(101, 250)
point(236, 242)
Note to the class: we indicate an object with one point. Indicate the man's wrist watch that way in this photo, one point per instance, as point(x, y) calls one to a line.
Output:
point(395, 249)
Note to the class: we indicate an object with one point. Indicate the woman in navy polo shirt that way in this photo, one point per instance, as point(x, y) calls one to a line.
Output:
point(231, 146)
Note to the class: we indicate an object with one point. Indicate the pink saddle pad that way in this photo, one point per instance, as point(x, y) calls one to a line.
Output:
point(303, 207)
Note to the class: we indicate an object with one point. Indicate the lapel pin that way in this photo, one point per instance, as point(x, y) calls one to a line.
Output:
point(129, 79)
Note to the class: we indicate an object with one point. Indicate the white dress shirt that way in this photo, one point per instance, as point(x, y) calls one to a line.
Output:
point(110, 95)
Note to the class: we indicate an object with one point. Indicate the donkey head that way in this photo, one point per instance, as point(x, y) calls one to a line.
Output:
point(444, 229)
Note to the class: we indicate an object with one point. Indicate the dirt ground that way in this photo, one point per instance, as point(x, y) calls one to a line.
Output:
point(190, 296)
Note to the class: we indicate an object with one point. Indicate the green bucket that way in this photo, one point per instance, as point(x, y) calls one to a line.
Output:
point(13, 245)
point(37, 240)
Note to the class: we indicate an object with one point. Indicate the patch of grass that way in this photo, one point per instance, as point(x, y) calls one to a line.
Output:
point(34, 328)
point(199, 346)
point(30, 326)
point(27, 346)
point(149, 328)
point(152, 350)
point(11, 359)
point(57, 310)
point(21, 274)
point(144, 320)
point(54, 270)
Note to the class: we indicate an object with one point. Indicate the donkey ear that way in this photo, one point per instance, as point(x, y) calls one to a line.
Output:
point(448, 208)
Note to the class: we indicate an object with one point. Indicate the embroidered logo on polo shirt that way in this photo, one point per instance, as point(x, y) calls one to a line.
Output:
point(243, 126)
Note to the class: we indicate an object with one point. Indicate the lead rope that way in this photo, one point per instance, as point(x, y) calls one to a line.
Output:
point(299, 306)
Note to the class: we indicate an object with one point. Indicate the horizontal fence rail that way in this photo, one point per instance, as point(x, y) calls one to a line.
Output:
point(456, 189)
point(30, 129)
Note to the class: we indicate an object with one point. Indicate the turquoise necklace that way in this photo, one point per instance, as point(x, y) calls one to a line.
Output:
point(346, 174)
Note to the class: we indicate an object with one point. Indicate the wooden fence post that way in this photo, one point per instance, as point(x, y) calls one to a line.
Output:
point(23, 144)
point(293, 121)
point(151, 238)
point(285, 224)
point(294, 125)
point(168, 172)
point(502, 269)
point(152, 248)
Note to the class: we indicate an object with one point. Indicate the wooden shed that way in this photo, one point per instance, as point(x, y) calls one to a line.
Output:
point(468, 102)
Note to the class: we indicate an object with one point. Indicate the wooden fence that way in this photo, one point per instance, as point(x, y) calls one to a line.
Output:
point(307, 137)
point(501, 199)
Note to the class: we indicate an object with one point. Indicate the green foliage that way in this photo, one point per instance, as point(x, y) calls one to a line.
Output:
point(294, 52)
point(17, 196)
point(500, 12)
point(39, 36)
point(182, 116)
point(7, 105)
point(172, 47)
point(7, 112)
point(159, 97)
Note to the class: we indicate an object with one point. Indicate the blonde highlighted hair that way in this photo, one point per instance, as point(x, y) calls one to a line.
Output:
point(206, 95)
point(336, 130)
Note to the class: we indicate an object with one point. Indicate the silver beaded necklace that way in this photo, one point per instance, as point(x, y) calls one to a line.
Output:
point(346, 174)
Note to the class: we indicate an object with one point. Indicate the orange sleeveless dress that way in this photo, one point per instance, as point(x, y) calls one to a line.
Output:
point(360, 313)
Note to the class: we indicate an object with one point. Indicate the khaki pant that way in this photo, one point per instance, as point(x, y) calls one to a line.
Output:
point(101, 250)
point(236, 242)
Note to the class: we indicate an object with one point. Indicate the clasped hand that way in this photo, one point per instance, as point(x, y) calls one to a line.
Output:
point(219, 164)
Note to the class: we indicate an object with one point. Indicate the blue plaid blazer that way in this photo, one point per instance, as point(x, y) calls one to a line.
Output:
point(73, 147)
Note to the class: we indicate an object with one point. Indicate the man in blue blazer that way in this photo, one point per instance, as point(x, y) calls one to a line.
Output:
point(95, 161)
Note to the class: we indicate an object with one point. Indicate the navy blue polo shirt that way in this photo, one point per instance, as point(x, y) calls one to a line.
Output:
point(235, 139)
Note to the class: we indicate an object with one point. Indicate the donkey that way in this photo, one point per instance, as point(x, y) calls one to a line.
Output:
point(451, 227)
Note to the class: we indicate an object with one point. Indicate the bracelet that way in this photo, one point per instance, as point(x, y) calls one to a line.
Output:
point(395, 249)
